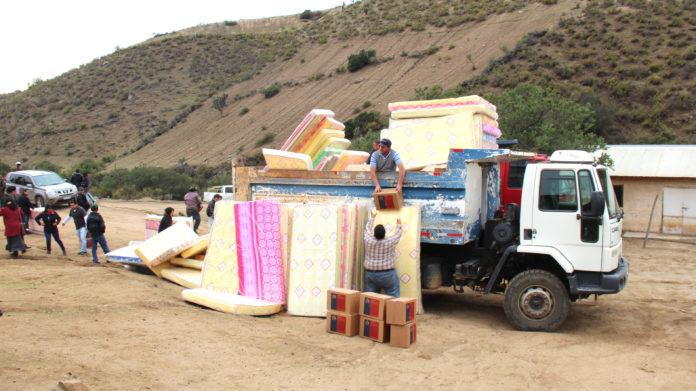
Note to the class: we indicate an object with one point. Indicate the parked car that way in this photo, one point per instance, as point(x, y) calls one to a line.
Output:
point(45, 187)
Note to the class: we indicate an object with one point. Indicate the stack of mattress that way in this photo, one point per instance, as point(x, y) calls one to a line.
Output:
point(318, 136)
point(156, 251)
point(408, 249)
point(423, 132)
point(325, 252)
point(243, 270)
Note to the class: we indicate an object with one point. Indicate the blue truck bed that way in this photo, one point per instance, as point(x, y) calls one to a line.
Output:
point(454, 203)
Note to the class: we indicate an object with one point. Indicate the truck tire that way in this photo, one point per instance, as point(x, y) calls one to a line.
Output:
point(536, 300)
point(40, 202)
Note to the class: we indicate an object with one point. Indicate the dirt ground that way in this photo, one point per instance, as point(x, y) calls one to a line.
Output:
point(115, 329)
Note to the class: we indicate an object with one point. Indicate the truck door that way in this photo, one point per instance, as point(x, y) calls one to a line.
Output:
point(562, 195)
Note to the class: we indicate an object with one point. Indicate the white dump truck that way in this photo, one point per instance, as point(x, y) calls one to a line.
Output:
point(562, 243)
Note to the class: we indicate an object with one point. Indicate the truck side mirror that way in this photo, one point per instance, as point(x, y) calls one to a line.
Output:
point(597, 204)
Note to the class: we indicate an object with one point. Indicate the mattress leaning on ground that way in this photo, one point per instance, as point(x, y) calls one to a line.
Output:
point(165, 245)
point(186, 277)
point(314, 255)
point(230, 303)
point(220, 279)
point(408, 249)
point(125, 255)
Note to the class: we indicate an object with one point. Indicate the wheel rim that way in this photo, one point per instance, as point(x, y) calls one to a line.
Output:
point(536, 302)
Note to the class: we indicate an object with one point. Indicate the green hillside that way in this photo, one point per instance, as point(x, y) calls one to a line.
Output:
point(632, 61)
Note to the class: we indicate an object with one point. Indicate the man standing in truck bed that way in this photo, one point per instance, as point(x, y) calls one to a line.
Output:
point(386, 159)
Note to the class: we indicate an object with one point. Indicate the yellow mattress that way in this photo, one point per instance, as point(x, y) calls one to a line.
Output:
point(166, 245)
point(347, 158)
point(334, 147)
point(440, 107)
point(283, 160)
point(358, 167)
point(187, 262)
point(230, 303)
point(330, 162)
point(188, 278)
point(310, 122)
point(286, 211)
point(320, 138)
point(220, 265)
point(408, 249)
point(328, 125)
point(314, 256)
point(198, 247)
point(428, 142)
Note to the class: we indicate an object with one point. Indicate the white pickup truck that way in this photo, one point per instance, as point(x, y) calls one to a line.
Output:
point(226, 191)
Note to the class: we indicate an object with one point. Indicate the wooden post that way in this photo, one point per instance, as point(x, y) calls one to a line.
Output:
point(652, 212)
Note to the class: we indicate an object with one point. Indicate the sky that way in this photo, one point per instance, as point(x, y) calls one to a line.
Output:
point(42, 39)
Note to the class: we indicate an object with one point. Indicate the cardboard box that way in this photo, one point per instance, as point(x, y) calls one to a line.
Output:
point(374, 305)
point(374, 329)
point(341, 323)
point(343, 300)
point(401, 310)
point(402, 336)
point(389, 199)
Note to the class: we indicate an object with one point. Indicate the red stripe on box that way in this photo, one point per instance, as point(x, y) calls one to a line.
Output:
point(374, 330)
point(341, 324)
point(374, 308)
point(341, 303)
point(456, 235)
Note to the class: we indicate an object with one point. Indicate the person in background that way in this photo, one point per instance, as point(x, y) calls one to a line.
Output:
point(78, 214)
point(386, 160)
point(76, 178)
point(210, 212)
point(12, 217)
point(193, 204)
point(25, 204)
point(82, 199)
point(9, 196)
point(166, 221)
point(85, 182)
point(19, 166)
point(97, 228)
point(380, 258)
point(375, 147)
point(50, 219)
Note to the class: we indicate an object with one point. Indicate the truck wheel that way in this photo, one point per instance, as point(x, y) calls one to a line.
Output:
point(39, 201)
point(536, 300)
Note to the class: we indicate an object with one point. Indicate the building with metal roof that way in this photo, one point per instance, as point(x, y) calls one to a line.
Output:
point(656, 185)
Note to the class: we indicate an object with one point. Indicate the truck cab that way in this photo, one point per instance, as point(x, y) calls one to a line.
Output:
point(569, 246)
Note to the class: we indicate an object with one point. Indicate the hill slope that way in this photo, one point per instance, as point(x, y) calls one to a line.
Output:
point(152, 104)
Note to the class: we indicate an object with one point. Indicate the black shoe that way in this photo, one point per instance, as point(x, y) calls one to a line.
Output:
point(14, 254)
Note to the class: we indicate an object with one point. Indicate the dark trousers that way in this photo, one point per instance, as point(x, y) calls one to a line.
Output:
point(196, 218)
point(56, 237)
point(100, 240)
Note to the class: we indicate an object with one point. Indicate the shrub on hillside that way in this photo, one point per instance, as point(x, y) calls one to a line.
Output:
point(361, 60)
point(271, 91)
point(363, 123)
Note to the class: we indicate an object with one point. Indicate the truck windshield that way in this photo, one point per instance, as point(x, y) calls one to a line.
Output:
point(47, 179)
point(608, 190)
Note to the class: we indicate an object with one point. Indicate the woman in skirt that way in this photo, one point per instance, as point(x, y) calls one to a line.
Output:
point(12, 217)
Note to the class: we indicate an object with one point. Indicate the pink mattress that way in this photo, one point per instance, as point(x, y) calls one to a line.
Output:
point(260, 261)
